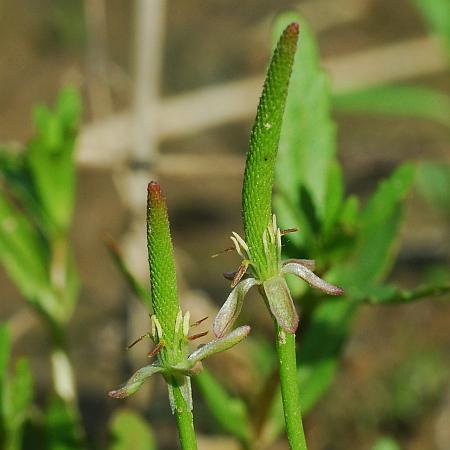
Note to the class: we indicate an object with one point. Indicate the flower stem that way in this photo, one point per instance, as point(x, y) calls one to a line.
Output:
point(184, 419)
point(289, 389)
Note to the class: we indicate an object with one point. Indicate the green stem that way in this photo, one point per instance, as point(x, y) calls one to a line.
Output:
point(289, 389)
point(185, 421)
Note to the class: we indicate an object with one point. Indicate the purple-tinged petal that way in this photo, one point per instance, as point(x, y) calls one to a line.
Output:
point(311, 278)
point(232, 307)
point(135, 382)
point(308, 263)
point(219, 345)
point(280, 303)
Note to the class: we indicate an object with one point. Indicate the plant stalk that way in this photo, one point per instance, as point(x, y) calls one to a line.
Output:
point(185, 421)
point(285, 343)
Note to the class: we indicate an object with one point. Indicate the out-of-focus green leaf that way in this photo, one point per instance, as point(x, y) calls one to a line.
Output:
point(413, 389)
point(433, 183)
point(5, 347)
point(409, 101)
point(378, 234)
point(131, 432)
point(22, 251)
point(350, 212)
point(50, 158)
point(229, 413)
point(308, 182)
point(437, 16)
point(389, 294)
point(21, 394)
point(16, 392)
point(15, 179)
point(386, 443)
point(136, 286)
point(62, 431)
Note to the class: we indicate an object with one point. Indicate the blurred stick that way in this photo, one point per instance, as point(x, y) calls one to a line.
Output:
point(105, 143)
point(143, 130)
point(96, 58)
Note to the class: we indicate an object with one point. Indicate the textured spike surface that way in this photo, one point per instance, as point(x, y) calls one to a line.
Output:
point(161, 260)
point(264, 139)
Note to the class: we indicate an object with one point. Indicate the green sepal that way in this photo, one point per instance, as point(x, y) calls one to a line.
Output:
point(136, 381)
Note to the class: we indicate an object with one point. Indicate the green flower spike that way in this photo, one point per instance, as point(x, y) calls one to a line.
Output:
point(261, 249)
point(169, 326)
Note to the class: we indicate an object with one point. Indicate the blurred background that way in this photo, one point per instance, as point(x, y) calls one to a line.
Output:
point(169, 91)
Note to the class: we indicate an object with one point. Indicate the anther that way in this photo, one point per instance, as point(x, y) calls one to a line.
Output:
point(197, 336)
point(139, 339)
point(239, 274)
point(228, 249)
point(288, 230)
point(198, 322)
point(155, 350)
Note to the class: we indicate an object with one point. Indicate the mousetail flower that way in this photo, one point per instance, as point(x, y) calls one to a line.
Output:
point(161, 260)
point(263, 148)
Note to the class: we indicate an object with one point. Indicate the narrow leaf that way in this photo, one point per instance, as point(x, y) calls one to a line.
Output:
point(22, 251)
point(408, 101)
point(51, 152)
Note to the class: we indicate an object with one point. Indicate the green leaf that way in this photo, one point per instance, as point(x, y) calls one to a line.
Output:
point(262, 153)
point(386, 443)
point(16, 392)
point(162, 264)
point(131, 432)
point(62, 431)
point(308, 181)
point(22, 251)
point(16, 181)
point(378, 234)
point(230, 413)
point(136, 286)
point(5, 348)
point(21, 395)
point(433, 183)
point(437, 16)
point(409, 101)
point(49, 158)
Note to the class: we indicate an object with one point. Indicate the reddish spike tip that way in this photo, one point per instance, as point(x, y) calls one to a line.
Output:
point(154, 188)
point(293, 27)
point(155, 195)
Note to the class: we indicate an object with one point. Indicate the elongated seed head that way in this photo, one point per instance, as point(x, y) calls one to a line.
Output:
point(161, 260)
point(264, 139)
